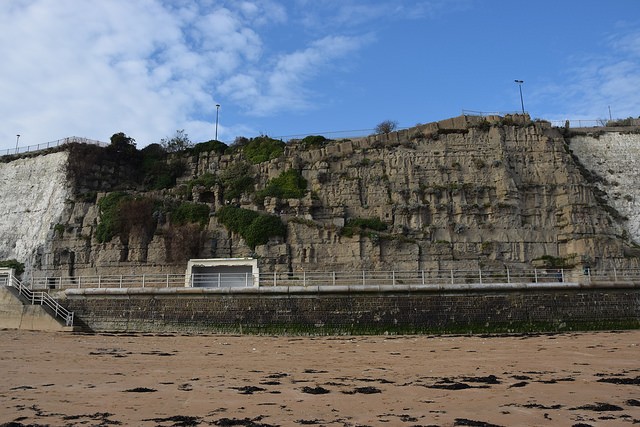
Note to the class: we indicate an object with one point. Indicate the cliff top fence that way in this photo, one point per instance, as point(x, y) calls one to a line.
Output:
point(454, 279)
point(51, 144)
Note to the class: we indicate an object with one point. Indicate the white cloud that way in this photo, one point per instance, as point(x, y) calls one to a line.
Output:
point(96, 67)
point(282, 86)
point(596, 82)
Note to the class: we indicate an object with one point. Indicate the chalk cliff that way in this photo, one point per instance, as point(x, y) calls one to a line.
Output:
point(461, 193)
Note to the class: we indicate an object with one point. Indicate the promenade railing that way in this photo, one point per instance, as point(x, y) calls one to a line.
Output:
point(366, 278)
point(51, 144)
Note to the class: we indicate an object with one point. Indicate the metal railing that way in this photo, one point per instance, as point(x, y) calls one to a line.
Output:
point(41, 298)
point(490, 113)
point(612, 275)
point(442, 278)
point(51, 144)
point(110, 281)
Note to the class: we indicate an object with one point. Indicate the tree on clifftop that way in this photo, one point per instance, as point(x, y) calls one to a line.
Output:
point(386, 126)
point(122, 144)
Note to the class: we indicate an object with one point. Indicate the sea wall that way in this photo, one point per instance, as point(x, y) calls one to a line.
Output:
point(356, 310)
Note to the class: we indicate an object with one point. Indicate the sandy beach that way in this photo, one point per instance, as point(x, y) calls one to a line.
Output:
point(570, 379)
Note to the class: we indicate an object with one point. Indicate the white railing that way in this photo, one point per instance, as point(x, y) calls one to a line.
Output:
point(111, 281)
point(41, 298)
point(613, 275)
point(51, 144)
point(490, 113)
point(599, 123)
point(441, 278)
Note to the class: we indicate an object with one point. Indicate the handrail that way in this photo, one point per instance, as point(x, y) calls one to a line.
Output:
point(41, 298)
point(445, 278)
point(51, 144)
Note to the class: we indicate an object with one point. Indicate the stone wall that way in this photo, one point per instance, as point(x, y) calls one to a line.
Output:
point(308, 311)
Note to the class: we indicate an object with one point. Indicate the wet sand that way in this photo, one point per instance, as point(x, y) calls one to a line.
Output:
point(572, 379)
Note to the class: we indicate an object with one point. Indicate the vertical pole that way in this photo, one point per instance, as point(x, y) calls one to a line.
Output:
point(480, 275)
point(393, 278)
point(363, 279)
point(304, 278)
point(452, 276)
point(99, 281)
point(275, 278)
point(143, 280)
point(246, 280)
point(334, 278)
point(121, 280)
point(562, 274)
point(535, 274)
point(508, 276)
point(218, 279)
point(422, 277)
point(615, 273)
point(217, 111)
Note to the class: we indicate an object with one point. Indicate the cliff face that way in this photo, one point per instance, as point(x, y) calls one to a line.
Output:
point(461, 193)
point(33, 195)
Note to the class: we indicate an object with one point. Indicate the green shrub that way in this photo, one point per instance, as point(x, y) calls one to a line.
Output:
point(18, 267)
point(254, 227)
point(236, 180)
point(313, 141)
point(262, 149)
point(187, 213)
point(262, 228)
point(109, 224)
point(212, 145)
point(354, 225)
point(157, 173)
point(120, 213)
point(288, 185)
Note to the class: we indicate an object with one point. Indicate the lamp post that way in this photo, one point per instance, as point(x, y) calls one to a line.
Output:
point(519, 82)
point(217, 113)
point(17, 140)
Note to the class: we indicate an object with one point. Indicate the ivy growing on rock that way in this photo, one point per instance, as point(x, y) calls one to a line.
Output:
point(254, 227)
point(288, 185)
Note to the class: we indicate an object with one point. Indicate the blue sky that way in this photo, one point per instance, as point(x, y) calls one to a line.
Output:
point(91, 68)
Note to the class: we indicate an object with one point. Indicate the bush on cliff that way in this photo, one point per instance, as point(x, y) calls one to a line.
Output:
point(357, 225)
point(109, 224)
point(209, 146)
point(254, 227)
point(236, 180)
point(259, 149)
point(314, 141)
point(120, 213)
point(18, 267)
point(187, 212)
point(288, 185)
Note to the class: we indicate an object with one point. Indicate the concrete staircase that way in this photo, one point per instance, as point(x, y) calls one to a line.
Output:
point(18, 313)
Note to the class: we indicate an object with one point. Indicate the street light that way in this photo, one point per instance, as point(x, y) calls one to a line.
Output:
point(217, 111)
point(17, 140)
point(521, 100)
